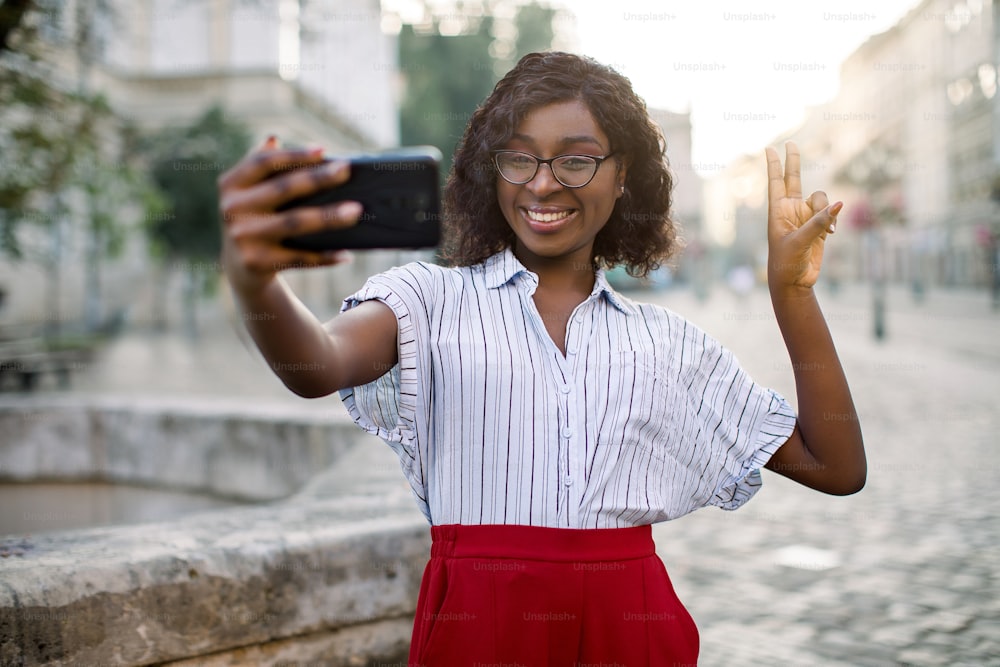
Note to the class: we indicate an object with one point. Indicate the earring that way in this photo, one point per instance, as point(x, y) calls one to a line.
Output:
point(623, 189)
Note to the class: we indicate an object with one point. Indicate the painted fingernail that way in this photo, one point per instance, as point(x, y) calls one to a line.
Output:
point(835, 209)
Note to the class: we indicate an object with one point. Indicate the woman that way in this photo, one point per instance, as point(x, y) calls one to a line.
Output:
point(543, 420)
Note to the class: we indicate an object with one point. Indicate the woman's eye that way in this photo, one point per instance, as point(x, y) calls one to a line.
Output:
point(576, 163)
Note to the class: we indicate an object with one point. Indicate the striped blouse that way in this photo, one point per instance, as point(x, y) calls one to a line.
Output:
point(645, 419)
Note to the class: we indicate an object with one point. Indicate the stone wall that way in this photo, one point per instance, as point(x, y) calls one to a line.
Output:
point(327, 576)
point(221, 449)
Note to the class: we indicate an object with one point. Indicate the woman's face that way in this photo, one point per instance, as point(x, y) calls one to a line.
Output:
point(550, 220)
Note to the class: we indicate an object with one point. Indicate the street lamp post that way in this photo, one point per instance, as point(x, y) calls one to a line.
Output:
point(994, 247)
point(872, 171)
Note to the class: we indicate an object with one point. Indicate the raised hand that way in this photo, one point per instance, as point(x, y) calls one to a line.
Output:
point(252, 231)
point(796, 228)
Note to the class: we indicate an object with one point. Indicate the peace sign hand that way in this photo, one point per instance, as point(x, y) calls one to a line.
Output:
point(796, 228)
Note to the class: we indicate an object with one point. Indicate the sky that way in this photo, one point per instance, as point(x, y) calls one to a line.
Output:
point(745, 70)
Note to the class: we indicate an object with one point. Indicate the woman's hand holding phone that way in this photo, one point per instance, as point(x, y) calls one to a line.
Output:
point(252, 228)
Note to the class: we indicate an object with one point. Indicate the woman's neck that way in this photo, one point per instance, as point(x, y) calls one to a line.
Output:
point(567, 273)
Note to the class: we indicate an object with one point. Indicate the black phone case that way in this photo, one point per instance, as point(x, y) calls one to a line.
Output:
point(401, 205)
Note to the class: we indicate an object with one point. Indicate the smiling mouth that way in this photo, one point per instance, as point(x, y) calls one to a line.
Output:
point(547, 217)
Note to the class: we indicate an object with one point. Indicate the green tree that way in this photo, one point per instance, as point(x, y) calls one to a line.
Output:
point(185, 163)
point(448, 75)
point(534, 29)
point(65, 167)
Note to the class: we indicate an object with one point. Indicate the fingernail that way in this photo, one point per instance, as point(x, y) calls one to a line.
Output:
point(835, 209)
point(315, 151)
point(831, 228)
point(341, 256)
point(335, 167)
point(349, 209)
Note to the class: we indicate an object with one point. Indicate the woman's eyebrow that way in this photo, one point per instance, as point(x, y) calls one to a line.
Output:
point(565, 141)
point(580, 139)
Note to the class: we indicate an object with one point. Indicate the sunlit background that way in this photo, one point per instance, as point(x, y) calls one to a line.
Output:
point(893, 105)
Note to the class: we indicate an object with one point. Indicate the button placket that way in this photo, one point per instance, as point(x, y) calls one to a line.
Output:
point(580, 329)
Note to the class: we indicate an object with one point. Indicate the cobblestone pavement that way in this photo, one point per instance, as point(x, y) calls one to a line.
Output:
point(903, 573)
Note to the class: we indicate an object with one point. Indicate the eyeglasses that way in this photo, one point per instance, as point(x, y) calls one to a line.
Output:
point(572, 171)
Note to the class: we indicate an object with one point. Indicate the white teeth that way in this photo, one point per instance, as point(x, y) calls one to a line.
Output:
point(547, 217)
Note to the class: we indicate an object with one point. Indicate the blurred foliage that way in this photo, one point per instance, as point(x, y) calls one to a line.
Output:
point(12, 13)
point(534, 29)
point(65, 152)
point(448, 75)
point(69, 178)
point(185, 163)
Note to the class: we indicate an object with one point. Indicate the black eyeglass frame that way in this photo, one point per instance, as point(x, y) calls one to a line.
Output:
point(598, 160)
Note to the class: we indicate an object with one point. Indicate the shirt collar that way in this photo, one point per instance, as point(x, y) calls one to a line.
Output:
point(503, 267)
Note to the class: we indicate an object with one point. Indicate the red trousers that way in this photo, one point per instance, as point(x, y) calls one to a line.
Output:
point(526, 596)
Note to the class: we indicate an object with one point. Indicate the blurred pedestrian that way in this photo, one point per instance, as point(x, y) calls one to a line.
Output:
point(543, 420)
point(741, 280)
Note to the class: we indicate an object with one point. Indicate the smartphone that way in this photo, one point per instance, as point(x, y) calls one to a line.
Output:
point(400, 197)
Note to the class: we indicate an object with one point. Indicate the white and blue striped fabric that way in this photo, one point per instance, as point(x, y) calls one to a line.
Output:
point(645, 419)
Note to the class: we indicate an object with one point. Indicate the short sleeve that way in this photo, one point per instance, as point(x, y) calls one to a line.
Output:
point(390, 407)
point(741, 478)
point(741, 424)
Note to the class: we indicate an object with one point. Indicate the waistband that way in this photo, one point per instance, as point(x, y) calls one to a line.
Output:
point(541, 543)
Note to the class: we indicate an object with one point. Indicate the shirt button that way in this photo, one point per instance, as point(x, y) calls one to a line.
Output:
point(567, 431)
point(564, 388)
point(568, 481)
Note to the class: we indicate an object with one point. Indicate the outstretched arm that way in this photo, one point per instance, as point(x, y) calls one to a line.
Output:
point(311, 358)
point(825, 451)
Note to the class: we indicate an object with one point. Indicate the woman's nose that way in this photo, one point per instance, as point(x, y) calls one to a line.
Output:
point(544, 182)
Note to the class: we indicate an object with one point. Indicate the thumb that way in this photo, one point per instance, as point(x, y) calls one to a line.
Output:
point(821, 224)
point(269, 143)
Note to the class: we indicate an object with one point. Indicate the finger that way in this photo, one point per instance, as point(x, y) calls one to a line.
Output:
point(793, 176)
point(775, 183)
point(275, 227)
point(833, 211)
point(260, 164)
point(818, 201)
point(282, 259)
point(821, 224)
point(305, 259)
point(282, 189)
point(230, 177)
point(270, 143)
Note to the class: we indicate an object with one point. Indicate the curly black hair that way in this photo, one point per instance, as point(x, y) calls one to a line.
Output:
point(639, 234)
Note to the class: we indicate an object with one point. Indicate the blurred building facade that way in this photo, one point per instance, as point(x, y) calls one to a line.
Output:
point(302, 70)
point(308, 72)
point(913, 136)
point(911, 144)
point(688, 184)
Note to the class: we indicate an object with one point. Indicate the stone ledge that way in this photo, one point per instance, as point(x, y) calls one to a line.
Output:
point(383, 643)
point(211, 583)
